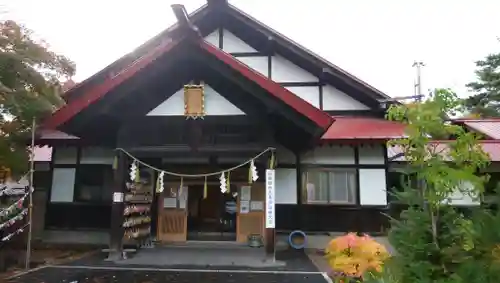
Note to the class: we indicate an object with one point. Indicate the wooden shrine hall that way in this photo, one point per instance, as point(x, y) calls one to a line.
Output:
point(189, 138)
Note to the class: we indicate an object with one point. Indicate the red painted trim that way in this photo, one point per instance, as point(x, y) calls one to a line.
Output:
point(68, 111)
point(64, 114)
point(321, 118)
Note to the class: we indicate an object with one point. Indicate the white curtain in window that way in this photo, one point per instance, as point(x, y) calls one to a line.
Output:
point(341, 186)
point(63, 184)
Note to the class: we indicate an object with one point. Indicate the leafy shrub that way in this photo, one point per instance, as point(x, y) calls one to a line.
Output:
point(352, 256)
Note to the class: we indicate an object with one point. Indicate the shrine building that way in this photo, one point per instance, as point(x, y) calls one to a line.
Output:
point(172, 141)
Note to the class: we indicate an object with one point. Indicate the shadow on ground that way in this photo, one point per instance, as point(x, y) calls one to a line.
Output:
point(211, 259)
point(74, 275)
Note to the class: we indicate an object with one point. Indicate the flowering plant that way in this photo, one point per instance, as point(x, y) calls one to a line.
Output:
point(352, 256)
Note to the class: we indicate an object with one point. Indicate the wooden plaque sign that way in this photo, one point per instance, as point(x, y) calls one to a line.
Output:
point(194, 101)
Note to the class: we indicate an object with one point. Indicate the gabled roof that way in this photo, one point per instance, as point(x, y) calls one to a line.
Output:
point(488, 127)
point(490, 147)
point(329, 69)
point(63, 115)
point(328, 66)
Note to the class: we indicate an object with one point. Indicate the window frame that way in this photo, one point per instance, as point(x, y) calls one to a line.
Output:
point(329, 201)
point(77, 166)
point(78, 184)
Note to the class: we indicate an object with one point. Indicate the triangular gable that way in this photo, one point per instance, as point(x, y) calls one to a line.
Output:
point(230, 42)
point(319, 118)
point(333, 72)
point(215, 105)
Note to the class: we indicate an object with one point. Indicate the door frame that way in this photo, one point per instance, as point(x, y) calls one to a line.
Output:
point(161, 210)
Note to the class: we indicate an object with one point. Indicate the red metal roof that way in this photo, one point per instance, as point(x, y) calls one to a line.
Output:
point(350, 128)
point(491, 147)
point(322, 119)
point(488, 127)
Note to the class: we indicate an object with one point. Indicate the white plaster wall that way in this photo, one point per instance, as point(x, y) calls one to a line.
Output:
point(372, 154)
point(232, 44)
point(330, 155)
point(372, 187)
point(285, 71)
point(259, 64)
point(308, 93)
point(286, 186)
point(213, 38)
point(215, 105)
point(334, 99)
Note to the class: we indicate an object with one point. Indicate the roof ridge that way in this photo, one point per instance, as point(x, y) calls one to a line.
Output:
point(312, 53)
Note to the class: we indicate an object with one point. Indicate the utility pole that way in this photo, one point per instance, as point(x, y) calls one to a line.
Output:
point(418, 83)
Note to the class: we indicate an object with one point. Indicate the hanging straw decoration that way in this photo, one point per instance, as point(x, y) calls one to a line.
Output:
point(205, 189)
point(181, 187)
point(137, 174)
point(115, 163)
point(272, 161)
point(228, 184)
point(224, 182)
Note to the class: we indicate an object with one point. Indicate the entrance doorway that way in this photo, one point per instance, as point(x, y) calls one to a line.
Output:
point(212, 218)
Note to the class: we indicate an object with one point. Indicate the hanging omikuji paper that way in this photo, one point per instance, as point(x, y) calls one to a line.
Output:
point(18, 231)
point(16, 205)
point(205, 189)
point(10, 222)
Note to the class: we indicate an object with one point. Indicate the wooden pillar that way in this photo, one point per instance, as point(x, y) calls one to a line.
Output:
point(117, 218)
point(270, 214)
point(299, 225)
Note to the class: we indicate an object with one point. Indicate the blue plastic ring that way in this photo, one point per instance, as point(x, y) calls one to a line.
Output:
point(292, 244)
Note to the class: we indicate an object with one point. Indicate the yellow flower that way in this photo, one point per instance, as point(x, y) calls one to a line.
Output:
point(354, 255)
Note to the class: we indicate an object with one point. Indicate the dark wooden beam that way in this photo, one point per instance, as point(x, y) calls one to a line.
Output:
point(183, 20)
point(117, 208)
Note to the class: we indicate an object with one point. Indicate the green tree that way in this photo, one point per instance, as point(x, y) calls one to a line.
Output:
point(30, 76)
point(486, 99)
point(434, 240)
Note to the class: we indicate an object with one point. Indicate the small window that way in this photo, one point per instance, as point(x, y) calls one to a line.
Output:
point(63, 183)
point(94, 183)
point(329, 186)
point(65, 155)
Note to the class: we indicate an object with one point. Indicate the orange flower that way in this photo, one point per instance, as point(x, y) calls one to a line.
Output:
point(354, 255)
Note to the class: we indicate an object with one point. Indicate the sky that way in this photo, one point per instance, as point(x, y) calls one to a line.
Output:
point(377, 41)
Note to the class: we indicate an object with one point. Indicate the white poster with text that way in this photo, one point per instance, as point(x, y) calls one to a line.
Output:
point(270, 199)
